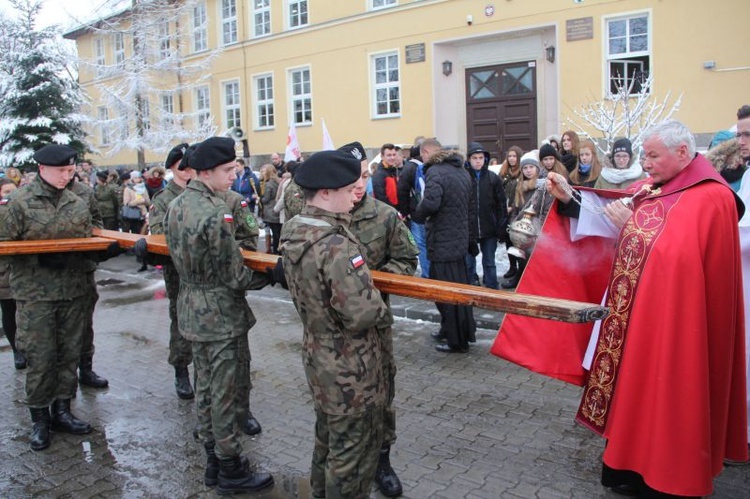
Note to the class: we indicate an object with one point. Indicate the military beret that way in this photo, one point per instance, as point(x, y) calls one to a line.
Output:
point(55, 155)
point(175, 155)
point(355, 149)
point(102, 174)
point(213, 152)
point(328, 170)
point(185, 163)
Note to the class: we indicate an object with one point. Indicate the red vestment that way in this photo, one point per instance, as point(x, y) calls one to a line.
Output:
point(678, 400)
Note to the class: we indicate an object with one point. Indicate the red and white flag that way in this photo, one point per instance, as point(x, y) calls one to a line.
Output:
point(292, 145)
point(327, 142)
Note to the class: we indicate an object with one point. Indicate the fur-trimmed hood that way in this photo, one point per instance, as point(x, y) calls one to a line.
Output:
point(450, 156)
point(725, 154)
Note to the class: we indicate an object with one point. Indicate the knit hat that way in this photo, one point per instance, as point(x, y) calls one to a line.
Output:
point(548, 150)
point(530, 158)
point(622, 145)
point(55, 155)
point(135, 174)
point(328, 170)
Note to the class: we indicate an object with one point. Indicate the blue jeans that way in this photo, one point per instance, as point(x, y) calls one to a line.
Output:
point(488, 247)
point(420, 236)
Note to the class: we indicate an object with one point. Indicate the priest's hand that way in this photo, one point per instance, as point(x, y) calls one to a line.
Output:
point(558, 187)
point(618, 213)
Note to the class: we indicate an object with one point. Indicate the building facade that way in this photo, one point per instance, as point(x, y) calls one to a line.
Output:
point(502, 72)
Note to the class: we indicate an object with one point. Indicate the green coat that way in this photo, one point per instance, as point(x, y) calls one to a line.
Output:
point(108, 199)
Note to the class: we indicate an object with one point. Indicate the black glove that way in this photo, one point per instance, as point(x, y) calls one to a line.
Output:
point(57, 261)
point(276, 274)
point(473, 248)
point(140, 249)
point(112, 251)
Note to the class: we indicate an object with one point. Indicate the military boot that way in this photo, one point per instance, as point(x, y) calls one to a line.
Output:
point(40, 438)
point(182, 383)
point(87, 376)
point(63, 420)
point(236, 479)
point(385, 477)
point(249, 424)
point(211, 475)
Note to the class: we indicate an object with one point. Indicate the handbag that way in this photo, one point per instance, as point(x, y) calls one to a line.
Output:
point(131, 213)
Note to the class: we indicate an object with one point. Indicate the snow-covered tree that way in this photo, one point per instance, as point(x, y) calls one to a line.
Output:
point(39, 99)
point(626, 113)
point(145, 87)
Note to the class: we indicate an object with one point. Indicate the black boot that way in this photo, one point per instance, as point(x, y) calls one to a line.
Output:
point(513, 268)
point(211, 475)
point(87, 376)
point(40, 438)
point(63, 420)
point(236, 479)
point(512, 282)
point(182, 383)
point(19, 359)
point(250, 425)
point(385, 477)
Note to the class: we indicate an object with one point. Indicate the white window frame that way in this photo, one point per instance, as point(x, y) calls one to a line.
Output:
point(629, 57)
point(290, 21)
point(199, 19)
point(263, 28)
point(102, 113)
point(387, 85)
point(381, 4)
point(264, 101)
point(145, 114)
point(100, 58)
point(118, 47)
point(202, 97)
point(164, 43)
point(167, 110)
point(234, 107)
point(297, 93)
point(228, 27)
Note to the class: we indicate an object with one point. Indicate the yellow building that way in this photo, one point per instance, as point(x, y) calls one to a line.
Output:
point(505, 72)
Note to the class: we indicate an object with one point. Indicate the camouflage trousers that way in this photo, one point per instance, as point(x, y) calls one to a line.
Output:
point(389, 375)
point(91, 296)
point(49, 332)
point(345, 456)
point(180, 352)
point(216, 386)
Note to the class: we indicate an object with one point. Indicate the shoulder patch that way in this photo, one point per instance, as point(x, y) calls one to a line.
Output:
point(228, 217)
point(357, 261)
point(250, 221)
point(4, 201)
point(243, 203)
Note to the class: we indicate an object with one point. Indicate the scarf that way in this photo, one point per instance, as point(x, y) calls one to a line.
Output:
point(584, 168)
point(618, 176)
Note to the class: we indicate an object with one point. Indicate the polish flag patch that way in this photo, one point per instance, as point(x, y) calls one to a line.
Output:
point(243, 203)
point(228, 217)
point(3, 201)
point(357, 261)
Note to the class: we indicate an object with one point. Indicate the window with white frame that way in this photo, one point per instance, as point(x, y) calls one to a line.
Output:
point(386, 84)
point(164, 40)
point(301, 93)
point(167, 110)
point(99, 59)
point(146, 114)
point(119, 49)
point(228, 21)
point(232, 104)
point(379, 4)
point(628, 52)
point(203, 106)
point(103, 115)
point(200, 28)
point(261, 17)
point(297, 13)
point(264, 101)
point(123, 121)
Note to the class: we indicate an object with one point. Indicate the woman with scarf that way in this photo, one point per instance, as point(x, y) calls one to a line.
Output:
point(510, 172)
point(620, 171)
point(587, 172)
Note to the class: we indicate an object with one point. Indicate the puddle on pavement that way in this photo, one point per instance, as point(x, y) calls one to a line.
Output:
point(287, 487)
point(127, 300)
point(137, 337)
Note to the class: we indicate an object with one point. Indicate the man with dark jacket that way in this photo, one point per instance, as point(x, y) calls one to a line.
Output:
point(446, 209)
point(385, 178)
point(246, 183)
point(491, 215)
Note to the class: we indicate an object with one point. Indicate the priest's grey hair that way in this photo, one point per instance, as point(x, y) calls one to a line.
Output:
point(672, 134)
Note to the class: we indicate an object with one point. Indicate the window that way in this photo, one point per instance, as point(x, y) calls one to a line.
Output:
point(386, 85)
point(103, 116)
point(99, 59)
point(297, 13)
point(203, 107)
point(379, 4)
point(146, 114)
point(264, 101)
point(200, 28)
point(232, 104)
point(261, 17)
point(301, 96)
point(228, 22)
point(164, 40)
point(628, 52)
point(167, 111)
point(119, 50)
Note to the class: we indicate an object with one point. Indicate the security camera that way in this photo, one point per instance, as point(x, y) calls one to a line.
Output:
point(469, 20)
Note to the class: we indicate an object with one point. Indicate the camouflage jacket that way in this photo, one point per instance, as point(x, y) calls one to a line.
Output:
point(4, 260)
point(159, 205)
point(199, 229)
point(294, 200)
point(86, 193)
point(39, 211)
point(245, 226)
point(108, 199)
point(340, 307)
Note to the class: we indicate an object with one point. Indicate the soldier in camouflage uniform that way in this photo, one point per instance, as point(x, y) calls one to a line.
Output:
point(341, 309)
point(50, 291)
point(211, 308)
point(108, 199)
point(7, 303)
point(294, 199)
point(389, 247)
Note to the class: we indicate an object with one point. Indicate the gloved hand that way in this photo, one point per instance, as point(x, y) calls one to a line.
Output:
point(473, 248)
point(112, 251)
point(57, 261)
point(276, 274)
point(140, 249)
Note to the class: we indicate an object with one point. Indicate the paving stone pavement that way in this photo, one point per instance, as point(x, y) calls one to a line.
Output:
point(469, 425)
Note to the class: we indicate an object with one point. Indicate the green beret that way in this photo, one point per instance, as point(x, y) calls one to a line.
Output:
point(328, 170)
point(55, 155)
point(213, 152)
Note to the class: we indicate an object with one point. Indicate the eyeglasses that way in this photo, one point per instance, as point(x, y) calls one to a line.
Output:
point(744, 135)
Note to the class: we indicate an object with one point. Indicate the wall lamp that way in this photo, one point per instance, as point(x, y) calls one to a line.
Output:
point(549, 53)
point(447, 68)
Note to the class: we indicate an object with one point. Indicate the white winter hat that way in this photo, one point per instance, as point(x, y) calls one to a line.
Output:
point(135, 174)
point(530, 158)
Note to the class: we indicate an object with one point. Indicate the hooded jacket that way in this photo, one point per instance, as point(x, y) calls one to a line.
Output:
point(490, 202)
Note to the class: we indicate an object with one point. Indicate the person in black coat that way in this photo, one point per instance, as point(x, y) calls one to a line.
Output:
point(447, 207)
point(491, 215)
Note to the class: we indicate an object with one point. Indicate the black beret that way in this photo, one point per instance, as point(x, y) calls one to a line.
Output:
point(175, 155)
point(328, 170)
point(102, 174)
point(355, 149)
point(55, 155)
point(548, 150)
point(213, 152)
point(185, 162)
